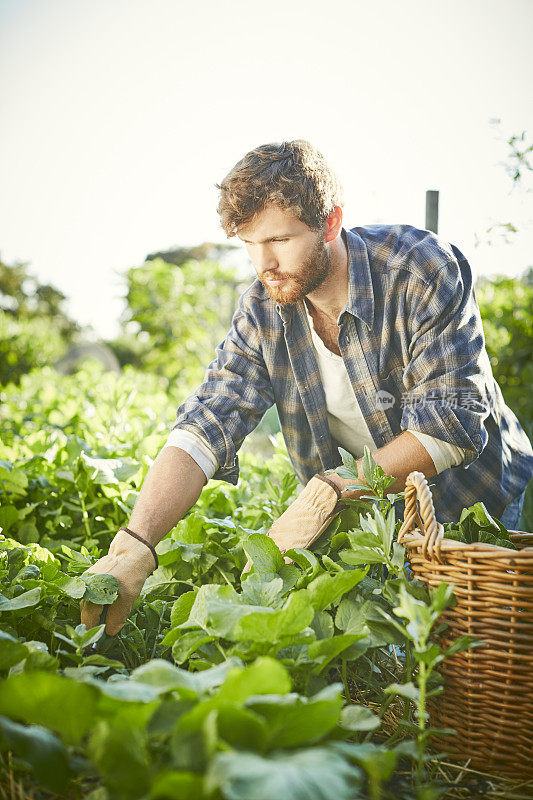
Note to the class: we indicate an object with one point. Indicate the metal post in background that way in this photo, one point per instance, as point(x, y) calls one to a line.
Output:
point(432, 211)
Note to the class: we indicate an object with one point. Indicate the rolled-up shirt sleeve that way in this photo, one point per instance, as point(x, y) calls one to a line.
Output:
point(196, 447)
point(448, 373)
point(443, 454)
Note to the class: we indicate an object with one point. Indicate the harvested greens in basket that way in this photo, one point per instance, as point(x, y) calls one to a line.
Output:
point(477, 525)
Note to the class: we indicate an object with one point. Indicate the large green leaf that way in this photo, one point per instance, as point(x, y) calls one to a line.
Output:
point(41, 749)
point(355, 616)
point(191, 530)
point(261, 592)
point(109, 470)
point(327, 589)
point(296, 614)
point(187, 642)
point(58, 703)
point(294, 721)
point(164, 677)
point(264, 676)
point(263, 553)
point(325, 650)
point(9, 515)
point(241, 728)
point(101, 589)
point(12, 480)
point(182, 608)
point(362, 555)
point(322, 625)
point(177, 784)
point(11, 650)
point(121, 757)
point(24, 600)
point(377, 760)
point(359, 718)
point(71, 586)
point(316, 773)
point(216, 609)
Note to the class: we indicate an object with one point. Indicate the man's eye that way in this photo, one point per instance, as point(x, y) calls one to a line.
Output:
point(280, 240)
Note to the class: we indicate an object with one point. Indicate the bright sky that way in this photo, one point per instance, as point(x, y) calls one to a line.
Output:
point(118, 117)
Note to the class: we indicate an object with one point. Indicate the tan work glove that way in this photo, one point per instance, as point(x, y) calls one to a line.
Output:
point(305, 519)
point(130, 562)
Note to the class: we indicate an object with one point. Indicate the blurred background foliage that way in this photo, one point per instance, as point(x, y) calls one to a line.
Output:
point(175, 317)
point(506, 306)
point(34, 327)
point(179, 306)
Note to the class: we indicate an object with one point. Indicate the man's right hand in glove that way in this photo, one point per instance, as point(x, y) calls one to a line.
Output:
point(172, 485)
point(130, 562)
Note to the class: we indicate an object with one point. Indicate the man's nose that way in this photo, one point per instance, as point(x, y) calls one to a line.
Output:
point(265, 260)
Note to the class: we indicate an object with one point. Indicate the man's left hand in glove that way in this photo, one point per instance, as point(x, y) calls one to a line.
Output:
point(307, 517)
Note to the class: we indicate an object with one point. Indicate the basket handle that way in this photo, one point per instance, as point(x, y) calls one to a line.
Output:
point(416, 488)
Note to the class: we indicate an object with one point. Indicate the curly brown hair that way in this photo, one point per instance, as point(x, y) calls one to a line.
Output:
point(292, 175)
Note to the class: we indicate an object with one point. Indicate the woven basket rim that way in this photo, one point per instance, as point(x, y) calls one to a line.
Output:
point(421, 529)
point(415, 538)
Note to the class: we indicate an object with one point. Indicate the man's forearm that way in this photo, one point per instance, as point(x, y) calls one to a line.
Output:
point(173, 484)
point(398, 458)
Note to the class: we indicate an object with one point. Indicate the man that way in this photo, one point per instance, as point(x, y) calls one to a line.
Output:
point(364, 336)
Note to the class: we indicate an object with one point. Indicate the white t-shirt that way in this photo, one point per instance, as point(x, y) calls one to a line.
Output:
point(346, 422)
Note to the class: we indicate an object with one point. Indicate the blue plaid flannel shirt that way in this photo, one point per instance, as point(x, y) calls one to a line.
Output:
point(413, 345)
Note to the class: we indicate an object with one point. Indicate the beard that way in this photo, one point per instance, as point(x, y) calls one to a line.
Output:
point(311, 274)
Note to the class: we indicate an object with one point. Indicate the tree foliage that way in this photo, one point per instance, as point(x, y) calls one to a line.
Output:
point(23, 296)
point(518, 167)
point(206, 251)
point(35, 329)
point(175, 317)
point(506, 306)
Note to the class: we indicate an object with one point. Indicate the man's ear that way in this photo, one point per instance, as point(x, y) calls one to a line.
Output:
point(334, 224)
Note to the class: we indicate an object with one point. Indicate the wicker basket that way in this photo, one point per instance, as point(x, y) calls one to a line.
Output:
point(488, 697)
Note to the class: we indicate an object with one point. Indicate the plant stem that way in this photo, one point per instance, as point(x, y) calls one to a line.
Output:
point(344, 672)
point(221, 651)
point(84, 515)
point(422, 679)
point(224, 575)
point(158, 627)
point(408, 677)
point(141, 638)
point(374, 784)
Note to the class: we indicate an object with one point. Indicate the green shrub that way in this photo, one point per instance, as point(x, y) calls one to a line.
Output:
point(506, 306)
point(26, 344)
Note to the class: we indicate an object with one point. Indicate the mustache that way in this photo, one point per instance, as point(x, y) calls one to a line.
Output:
point(272, 276)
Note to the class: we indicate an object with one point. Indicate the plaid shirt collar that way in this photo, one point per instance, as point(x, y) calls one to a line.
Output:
point(360, 291)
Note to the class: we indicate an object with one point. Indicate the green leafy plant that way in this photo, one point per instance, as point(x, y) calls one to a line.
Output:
point(419, 620)
point(284, 670)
